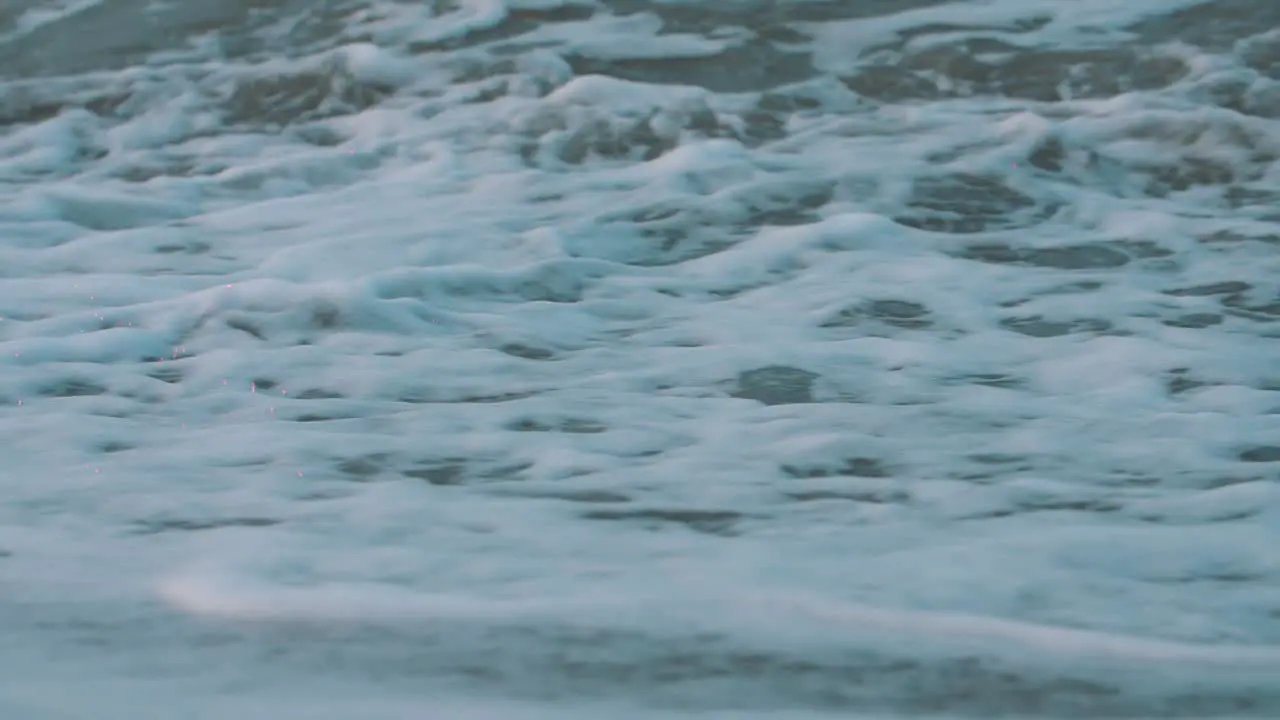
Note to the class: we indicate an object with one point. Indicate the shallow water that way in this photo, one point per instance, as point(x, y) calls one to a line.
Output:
point(529, 358)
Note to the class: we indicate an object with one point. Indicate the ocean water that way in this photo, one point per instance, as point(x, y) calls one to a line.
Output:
point(390, 359)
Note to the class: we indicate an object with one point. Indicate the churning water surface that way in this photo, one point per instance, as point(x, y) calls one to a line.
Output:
point(377, 359)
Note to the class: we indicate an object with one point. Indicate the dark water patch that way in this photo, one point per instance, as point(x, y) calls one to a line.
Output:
point(1194, 321)
point(990, 32)
point(323, 315)
point(167, 373)
point(563, 425)
point(21, 107)
point(557, 283)
point(893, 84)
point(1072, 288)
point(190, 247)
point(1261, 454)
point(292, 28)
point(1253, 96)
point(1228, 238)
point(71, 387)
point(1221, 481)
point(782, 203)
point(321, 417)
point(1086, 256)
point(666, 237)
point(1181, 381)
point(986, 66)
point(319, 135)
point(990, 473)
point(609, 139)
point(1226, 287)
point(1215, 25)
point(1049, 154)
point(999, 459)
point(246, 326)
point(1183, 153)
point(900, 313)
point(487, 91)
point(594, 497)
point(993, 380)
point(111, 105)
point(1037, 327)
point(318, 394)
point(965, 203)
point(903, 314)
point(761, 15)
point(589, 497)
point(1047, 74)
point(1228, 91)
point(1242, 305)
point(767, 121)
point(709, 522)
point(29, 103)
point(669, 233)
point(1222, 575)
point(1224, 516)
point(141, 170)
point(155, 527)
point(678, 247)
point(425, 396)
point(858, 467)
point(457, 471)
point(364, 467)
point(114, 34)
point(1048, 505)
point(717, 674)
point(285, 98)
point(653, 213)
point(776, 385)
point(847, 317)
point(447, 474)
point(527, 352)
point(873, 497)
point(1186, 174)
point(761, 127)
point(476, 69)
point(689, 669)
point(1142, 249)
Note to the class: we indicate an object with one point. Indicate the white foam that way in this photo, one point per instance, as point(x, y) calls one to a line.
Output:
point(413, 327)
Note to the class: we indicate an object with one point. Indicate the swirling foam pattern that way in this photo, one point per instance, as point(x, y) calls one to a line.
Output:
point(639, 358)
